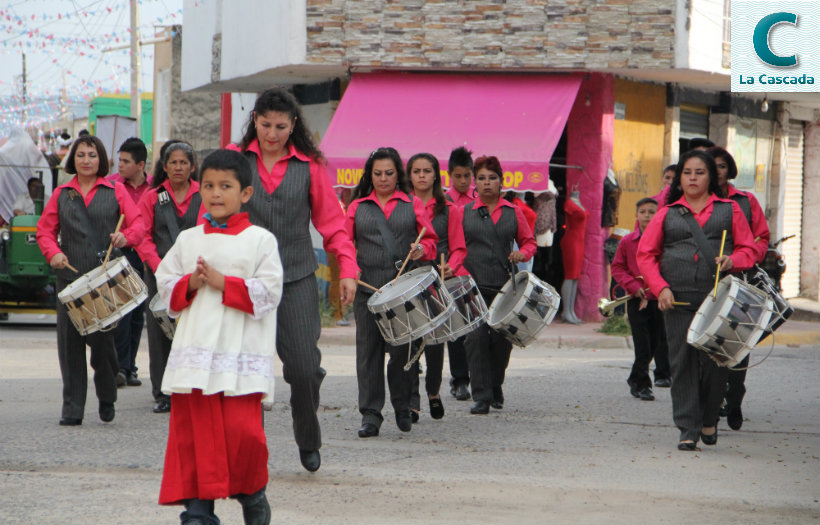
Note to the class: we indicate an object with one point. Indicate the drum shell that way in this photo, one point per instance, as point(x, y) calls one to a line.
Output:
point(469, 313)
point(98, 299)
point(160, 313)
point(520, 316)
point(411, 306)
point(761, 280)
point(728, 325)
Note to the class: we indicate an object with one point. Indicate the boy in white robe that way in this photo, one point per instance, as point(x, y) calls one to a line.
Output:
point(223, 280)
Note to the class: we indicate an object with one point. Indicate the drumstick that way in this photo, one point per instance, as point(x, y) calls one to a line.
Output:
point(442, 267)
point(111, 245)
point(757, 239)
point(71, 268)
point(679, 303)
point(367, 285)
point(421, 233)
point(717, 274)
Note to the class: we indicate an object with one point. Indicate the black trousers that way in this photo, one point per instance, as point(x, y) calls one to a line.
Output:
point(459, 369)
point(698, 383)
point(129, 329)
point(434, 360)
point(370, 350)
point(488, 354)
point(159, 346)
point(649, 341)
point(736, 389)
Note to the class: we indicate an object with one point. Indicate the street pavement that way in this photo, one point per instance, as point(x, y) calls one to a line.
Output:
point(570, 446)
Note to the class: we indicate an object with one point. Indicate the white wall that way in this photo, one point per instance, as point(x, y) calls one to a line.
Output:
point(701, 46)
point(257, 35)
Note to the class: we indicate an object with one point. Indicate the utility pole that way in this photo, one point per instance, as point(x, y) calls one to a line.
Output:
point(24, 90)
point(136, 102)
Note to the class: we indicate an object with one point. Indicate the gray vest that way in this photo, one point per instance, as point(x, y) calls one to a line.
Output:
point(745, 206)
point(163, 236)
point(286, 213)
point(377, 267)
point(481, 261)
point(678, 266)
point(103, 213)
point(440, 225)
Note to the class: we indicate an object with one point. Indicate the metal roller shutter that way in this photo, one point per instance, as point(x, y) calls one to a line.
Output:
point(694, 121)
point(793, 210)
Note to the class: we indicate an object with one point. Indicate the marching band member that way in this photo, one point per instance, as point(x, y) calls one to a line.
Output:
point(675, 268)
point(170, 206)
point(425, 178)
point(382, 207)
point(727, 170)
point(491, 224)
point(84, 213)
point(291, 190)
point(645, 320)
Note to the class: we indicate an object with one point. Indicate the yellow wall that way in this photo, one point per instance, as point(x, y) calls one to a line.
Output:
point(637, 156)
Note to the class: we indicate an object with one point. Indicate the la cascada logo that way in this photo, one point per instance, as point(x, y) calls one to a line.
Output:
point(775, 46)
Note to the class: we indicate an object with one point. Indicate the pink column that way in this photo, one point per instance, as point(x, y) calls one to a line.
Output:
point(589, 144)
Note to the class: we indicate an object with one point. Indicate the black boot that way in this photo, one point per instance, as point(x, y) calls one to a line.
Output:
point(255, 508)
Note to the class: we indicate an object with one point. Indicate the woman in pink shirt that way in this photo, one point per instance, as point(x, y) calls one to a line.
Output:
point(425, 178)
point(673, 266)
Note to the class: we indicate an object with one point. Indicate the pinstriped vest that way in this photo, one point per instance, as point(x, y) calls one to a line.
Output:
point(678, 266)
point(481, 261)
point(440, 225)
point(162, 233)
point(103, 212)
point(745, 204)
point(286, 214)
point(378, 268)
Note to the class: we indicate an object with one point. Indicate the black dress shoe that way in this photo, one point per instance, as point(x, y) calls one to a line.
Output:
point(133, 380)
point(710, 439)
point(368, 430)
point(688, 446)
point(163, 405)
point(480, 407)
point(461, 393)
point(724, 410)
point(404, 420)
point(664, 382)
point(498, 398)
point(633, 389)
point(414, 416)
point(436, 408)
point(70, 422)
point(121, 379)
point(255, 508)
point(310, 459)
point(735, 418)
point(646, 394)
point(106, 412)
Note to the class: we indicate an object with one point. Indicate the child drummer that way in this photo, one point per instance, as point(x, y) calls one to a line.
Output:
point(646, 321)
point(84, 214)
point(223, 279)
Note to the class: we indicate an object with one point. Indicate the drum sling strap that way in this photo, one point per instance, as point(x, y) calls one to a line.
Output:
point(168, 214)
point(387, 237)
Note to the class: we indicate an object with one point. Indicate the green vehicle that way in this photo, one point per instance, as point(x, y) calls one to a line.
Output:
point(27, 283)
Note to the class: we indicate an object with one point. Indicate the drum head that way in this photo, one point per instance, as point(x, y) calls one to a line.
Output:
point(506, 300)
point(403, 288)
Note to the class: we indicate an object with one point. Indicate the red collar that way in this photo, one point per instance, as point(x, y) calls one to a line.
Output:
point(237, 223)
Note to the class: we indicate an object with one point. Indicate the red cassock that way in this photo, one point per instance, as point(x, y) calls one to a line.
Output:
point(572, 243)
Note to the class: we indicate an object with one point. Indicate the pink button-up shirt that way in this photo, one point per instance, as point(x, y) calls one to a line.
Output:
point(759, 227)
point(460, 199)
point(650, 247)
point(625, 265)
point(455, 235)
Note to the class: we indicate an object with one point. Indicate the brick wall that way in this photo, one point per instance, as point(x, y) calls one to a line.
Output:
point(473, 34)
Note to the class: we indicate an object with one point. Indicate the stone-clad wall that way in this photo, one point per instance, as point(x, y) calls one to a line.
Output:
point(457, 34)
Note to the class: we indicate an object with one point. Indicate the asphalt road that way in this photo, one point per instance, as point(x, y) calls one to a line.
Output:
point(570, 446)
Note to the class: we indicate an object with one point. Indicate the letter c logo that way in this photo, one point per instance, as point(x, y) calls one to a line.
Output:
point(760, 39)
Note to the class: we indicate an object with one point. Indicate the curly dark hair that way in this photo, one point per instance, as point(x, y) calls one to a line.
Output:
point(365, 186)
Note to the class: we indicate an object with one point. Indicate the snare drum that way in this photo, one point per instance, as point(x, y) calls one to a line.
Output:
point(101, 297)
point(411, 306)
point(520, 315)
point(159, 312)
point(470, 311)
point(729, 325)
point(758, 278)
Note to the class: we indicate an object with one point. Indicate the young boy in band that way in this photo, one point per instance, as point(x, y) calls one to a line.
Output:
point(646, 321)
point(223, 279)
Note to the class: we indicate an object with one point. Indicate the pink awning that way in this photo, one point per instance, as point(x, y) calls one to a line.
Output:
point(518, 118)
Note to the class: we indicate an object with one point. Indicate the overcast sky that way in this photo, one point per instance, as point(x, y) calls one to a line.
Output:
point(63, 41)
